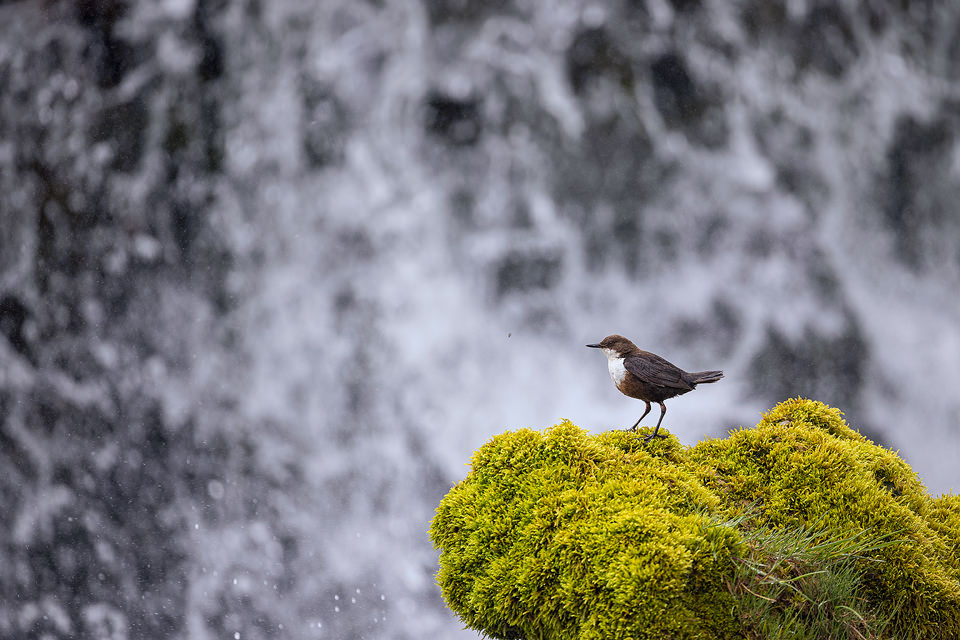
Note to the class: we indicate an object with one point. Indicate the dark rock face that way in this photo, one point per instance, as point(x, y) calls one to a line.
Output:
point(684, 104)
point(826, 42)
point(920, 188)
point(594, 54)
point(815, 366)
point(457, 121)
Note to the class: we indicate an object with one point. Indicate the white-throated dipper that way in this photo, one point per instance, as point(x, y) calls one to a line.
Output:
point(648, 377)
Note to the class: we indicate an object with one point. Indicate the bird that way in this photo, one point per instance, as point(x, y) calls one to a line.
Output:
point(648, 377)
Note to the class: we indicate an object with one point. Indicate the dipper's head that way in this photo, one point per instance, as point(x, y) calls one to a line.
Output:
point(615, 346)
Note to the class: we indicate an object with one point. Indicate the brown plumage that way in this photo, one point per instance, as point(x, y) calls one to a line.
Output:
point(648, 377)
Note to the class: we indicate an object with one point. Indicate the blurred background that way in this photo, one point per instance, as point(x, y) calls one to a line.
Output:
point(270, 271)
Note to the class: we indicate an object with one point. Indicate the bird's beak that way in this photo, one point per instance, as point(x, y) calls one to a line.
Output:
point(594, 346)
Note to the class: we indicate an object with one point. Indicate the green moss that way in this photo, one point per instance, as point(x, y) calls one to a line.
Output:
point(800, 527)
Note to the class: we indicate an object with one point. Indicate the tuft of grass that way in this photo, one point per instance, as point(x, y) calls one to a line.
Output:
point(806, 583)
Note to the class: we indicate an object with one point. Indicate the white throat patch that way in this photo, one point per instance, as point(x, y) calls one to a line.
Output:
point(615, 366)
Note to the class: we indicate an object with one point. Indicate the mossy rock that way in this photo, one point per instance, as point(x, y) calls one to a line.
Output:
point(561, 534)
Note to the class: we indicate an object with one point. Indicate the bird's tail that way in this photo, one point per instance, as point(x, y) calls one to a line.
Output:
point(705, 376)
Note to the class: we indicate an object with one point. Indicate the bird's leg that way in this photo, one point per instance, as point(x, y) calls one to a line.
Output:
point(634, 427)
point(663, 412)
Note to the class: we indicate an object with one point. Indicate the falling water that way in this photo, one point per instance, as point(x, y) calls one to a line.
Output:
point(271, 271)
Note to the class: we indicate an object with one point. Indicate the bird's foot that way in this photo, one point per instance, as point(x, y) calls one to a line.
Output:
point(654, 435)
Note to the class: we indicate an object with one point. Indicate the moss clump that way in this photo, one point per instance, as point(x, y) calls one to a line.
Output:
point(799, 526)
point(561, 534)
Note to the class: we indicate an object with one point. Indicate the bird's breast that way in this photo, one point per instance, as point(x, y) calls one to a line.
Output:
point(617, 371)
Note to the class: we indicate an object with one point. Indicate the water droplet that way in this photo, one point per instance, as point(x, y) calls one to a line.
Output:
point(215, 489)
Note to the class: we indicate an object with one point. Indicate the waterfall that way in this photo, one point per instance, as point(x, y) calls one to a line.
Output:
point(271, 271)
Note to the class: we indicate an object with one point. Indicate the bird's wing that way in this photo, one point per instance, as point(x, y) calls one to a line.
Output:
point(653, 369)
